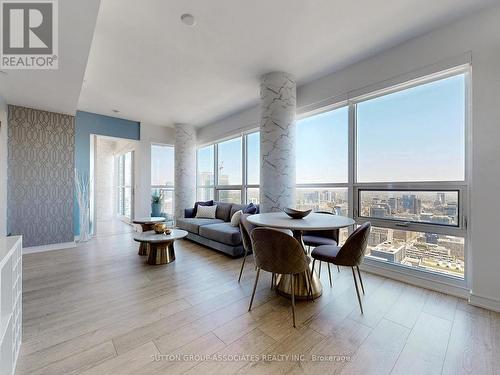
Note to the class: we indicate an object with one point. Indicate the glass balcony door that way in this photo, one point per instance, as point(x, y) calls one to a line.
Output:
point(125, 185)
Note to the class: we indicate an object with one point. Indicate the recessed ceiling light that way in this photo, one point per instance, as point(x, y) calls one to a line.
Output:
point(188, 19)
point(2, 72)
point(115, 111)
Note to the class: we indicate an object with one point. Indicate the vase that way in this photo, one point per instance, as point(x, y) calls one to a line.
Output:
point(155, 209)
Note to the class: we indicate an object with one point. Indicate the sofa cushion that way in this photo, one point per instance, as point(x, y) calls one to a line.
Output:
point(223, 232)
point(206, 212)
point(223, 211)
point(251, 209)
point(235, 219)
point(192, 224)
point(200, 203)
point(236, 207)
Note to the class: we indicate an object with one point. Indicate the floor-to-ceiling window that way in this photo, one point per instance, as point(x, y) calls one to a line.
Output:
point(162, 176)
point(229, 170)
point(322, 161)
point(410, 173)
point(397, 158)
point(125, 184)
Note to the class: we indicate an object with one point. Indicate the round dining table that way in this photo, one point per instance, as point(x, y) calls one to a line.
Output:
point(312, 222)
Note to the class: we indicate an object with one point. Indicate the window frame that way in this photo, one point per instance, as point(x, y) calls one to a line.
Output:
point(354, 187)
point(216, 187)
point(462, 186)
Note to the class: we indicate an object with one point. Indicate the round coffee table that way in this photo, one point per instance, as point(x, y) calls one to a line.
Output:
point(161, 246)
point(147, 223)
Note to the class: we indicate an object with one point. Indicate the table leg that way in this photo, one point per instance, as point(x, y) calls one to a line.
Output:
point(301, 281)
point(161, 253)
point(143, 248)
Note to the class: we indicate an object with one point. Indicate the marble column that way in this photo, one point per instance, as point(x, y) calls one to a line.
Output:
point(185, 168)
point(277, 141)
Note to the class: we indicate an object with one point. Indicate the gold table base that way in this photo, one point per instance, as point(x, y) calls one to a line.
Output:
point(143, 247)
point(301, 284)
point(161, 253)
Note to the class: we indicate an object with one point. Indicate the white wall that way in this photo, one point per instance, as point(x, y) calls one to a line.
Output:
point(149, 134)
point(478, 36)
point(3, 167)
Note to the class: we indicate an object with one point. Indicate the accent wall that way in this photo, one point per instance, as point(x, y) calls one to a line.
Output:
point(40, 176)
point(3, 166)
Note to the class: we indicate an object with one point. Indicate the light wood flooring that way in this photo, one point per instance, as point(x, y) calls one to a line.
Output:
point(99, 309)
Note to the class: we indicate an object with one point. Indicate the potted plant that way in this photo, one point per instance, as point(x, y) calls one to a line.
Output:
point(156, 199)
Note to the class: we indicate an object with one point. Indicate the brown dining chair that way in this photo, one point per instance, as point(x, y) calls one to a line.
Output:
point(315, 238)
point(246, 228)
point(351, 254)
point(279, 253)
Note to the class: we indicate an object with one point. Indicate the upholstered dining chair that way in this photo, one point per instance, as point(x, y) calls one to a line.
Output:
point(279, 253)
point(322, 237)
point(351, 254)
point(245, 228)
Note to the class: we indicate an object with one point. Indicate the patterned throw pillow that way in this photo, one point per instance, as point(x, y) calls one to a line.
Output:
point(206, 212)
point(235, 220)
point(206, 203)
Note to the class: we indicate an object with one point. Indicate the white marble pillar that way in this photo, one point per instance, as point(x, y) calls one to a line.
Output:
point(185, 168)
point(277, 141)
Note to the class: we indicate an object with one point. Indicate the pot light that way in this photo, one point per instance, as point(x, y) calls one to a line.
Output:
point(2, 72)
point(188, 19)
point(115, 111)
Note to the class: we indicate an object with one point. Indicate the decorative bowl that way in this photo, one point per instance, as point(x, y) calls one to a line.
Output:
point(159, 228)
point(296, 214)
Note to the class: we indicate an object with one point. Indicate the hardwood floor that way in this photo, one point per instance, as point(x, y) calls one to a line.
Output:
point(99, 309)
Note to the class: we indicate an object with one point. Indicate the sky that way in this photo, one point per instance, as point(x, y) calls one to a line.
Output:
point(162, 164)
point(413, 135)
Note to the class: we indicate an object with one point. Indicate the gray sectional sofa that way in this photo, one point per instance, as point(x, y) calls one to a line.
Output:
point(216, 233)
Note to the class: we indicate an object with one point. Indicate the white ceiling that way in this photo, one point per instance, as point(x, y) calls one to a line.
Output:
point(152, 68)
point(147, 64)
point(57, 90)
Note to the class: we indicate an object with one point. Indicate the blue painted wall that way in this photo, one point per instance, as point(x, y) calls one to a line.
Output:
point(91, 123)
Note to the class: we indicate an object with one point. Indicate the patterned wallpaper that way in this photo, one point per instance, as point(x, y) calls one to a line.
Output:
point(40, 176)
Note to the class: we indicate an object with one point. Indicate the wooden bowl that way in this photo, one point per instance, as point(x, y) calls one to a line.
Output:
point(296, 214)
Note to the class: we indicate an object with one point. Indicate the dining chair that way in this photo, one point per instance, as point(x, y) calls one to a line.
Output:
point(322, 237)
point(279, 253)
point(245, 228)
point(351, 254)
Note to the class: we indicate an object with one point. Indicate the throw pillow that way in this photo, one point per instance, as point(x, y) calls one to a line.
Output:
point(235, 220)
point(206, 212)
point(250, 209)
point(207, 203)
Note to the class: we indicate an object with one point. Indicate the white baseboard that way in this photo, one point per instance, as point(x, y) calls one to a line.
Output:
point(423, 282)
point(55, 246)
point(484, 302)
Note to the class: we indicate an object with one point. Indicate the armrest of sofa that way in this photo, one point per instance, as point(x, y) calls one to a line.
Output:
point(189, 212)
